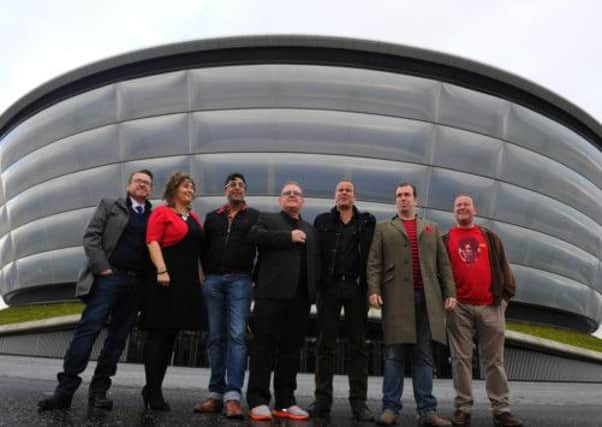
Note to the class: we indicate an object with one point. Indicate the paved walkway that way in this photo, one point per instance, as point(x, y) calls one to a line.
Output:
point(24, 380)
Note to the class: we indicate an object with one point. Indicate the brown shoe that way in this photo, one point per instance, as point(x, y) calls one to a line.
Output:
point(209, 406)
point(506, 419)
point(232, 409)
point(433, 420)
point(387, 418)
point(461, 419)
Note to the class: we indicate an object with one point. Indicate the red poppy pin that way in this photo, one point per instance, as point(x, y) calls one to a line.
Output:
point(428, 228)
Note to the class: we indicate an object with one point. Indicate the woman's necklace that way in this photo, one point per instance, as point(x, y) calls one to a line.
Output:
point(184, 215)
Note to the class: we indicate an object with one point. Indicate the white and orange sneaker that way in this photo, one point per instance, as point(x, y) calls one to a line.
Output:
point(293, 412)
point(260, 413)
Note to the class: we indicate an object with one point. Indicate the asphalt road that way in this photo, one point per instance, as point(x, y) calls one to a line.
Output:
point(23, 381)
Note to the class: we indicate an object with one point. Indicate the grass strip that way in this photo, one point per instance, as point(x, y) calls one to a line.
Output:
point(565, 336)
point(25, 313)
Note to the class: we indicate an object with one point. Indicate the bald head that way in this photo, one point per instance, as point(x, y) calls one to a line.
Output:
point(344, 195)
point(464, 211)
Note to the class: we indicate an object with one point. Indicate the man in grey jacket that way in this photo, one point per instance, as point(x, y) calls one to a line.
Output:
point(109, 284)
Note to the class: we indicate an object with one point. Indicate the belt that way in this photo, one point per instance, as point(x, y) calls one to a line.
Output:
point(123, 271)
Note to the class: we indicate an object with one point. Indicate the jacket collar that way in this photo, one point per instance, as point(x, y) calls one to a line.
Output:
point(335, 212)
point(398, 225)
point(124, 203)
point(226, 209)
point(290, 220)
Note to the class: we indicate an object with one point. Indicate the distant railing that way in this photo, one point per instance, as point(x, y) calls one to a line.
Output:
point(190, 350)
point(527, 358)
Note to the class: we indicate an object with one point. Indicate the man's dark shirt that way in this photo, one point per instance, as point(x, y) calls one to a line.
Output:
point(228, 249)
point(302, 281)
point(338, 258)
point(347, 248)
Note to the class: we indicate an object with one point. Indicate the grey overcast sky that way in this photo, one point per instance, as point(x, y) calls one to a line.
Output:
point(555, 43)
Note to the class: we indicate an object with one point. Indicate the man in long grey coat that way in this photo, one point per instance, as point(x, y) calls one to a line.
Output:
point(109, 284)
point(410, 278)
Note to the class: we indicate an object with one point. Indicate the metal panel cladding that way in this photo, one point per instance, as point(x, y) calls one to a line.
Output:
point(313, 110)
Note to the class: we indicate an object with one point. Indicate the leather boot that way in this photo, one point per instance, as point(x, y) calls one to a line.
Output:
point(209, 406)
point(99, 400)
point(232, 409)
point(56, 401)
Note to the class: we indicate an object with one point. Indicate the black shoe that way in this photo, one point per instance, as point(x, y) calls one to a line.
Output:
point(99, 400)
point(153, 401)
point(317, 410)
point(361, 412)
point(56, 401)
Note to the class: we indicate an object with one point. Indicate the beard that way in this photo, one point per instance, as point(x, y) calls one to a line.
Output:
point(465, 222)
point(236, 202)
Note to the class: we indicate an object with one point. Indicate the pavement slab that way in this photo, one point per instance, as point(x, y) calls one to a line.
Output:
point(25, 380)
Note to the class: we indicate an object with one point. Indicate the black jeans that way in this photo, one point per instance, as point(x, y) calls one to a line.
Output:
point(350, 296)
point(279, 328)
point(115, 297)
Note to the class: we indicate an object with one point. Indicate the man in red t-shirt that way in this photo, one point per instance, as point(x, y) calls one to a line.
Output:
point(484, 285)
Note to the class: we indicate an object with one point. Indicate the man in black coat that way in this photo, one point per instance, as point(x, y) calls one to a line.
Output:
point(287, 276)
point(345, 236)
point(109, 284)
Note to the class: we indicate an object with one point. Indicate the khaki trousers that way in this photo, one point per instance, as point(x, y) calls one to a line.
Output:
point(488, 322)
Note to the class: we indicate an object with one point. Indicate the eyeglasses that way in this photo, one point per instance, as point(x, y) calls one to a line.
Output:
point(142, 182)
point(235, 184)
point(291, 193)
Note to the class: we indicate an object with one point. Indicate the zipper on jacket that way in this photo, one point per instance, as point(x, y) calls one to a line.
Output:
point(230, 221)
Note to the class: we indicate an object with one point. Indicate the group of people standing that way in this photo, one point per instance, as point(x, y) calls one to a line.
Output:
point(427, 286)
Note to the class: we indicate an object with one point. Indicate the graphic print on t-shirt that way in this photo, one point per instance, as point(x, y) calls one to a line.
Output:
point(469, 250)
point(469, 256)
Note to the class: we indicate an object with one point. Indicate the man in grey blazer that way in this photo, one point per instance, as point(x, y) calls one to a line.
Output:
point(410, 277)
point(109, 284)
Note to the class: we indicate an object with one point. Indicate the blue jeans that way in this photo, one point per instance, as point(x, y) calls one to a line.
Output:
point(113, 296)
point(421, 354)
point(228, 299)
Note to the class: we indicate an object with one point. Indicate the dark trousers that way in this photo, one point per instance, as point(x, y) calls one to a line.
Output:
point(115, 297)
point(279, 327)
point(420, 355)
point(350, 296)
point(158, 347)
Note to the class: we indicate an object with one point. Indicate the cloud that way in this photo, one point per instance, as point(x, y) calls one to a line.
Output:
point(553, 43)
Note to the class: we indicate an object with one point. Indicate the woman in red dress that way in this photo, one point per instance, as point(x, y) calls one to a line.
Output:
point(174, 302)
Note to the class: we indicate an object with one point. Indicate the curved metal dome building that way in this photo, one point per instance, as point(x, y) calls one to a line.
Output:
point(311, 109)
